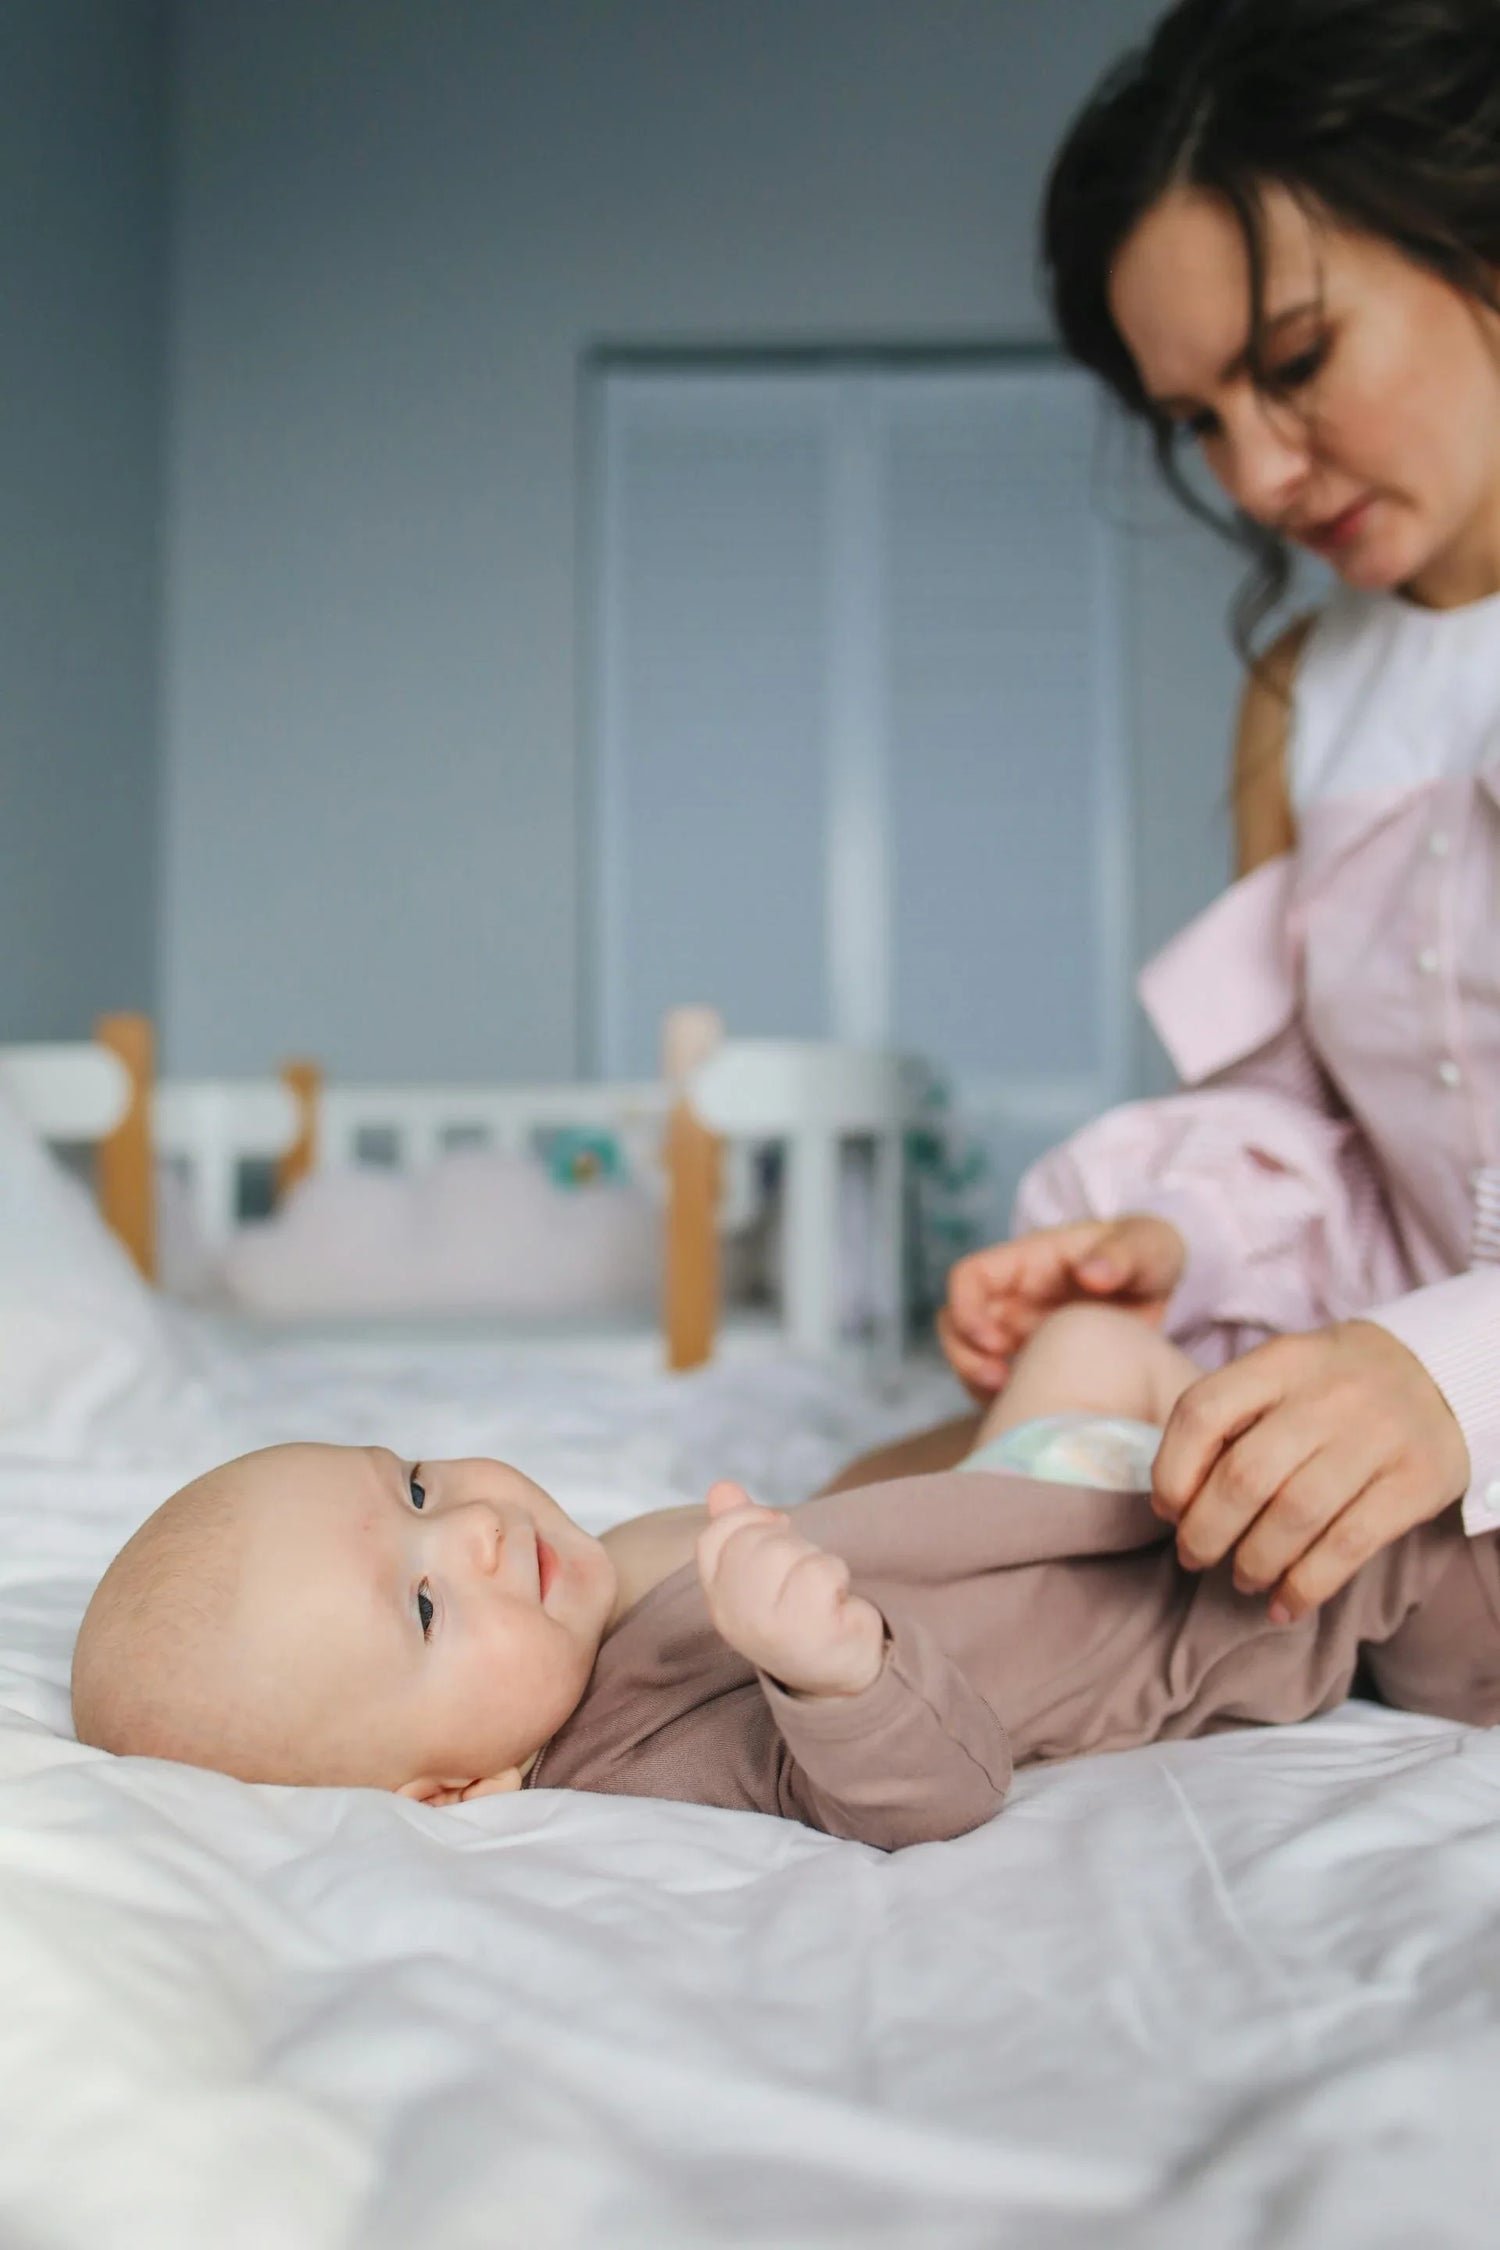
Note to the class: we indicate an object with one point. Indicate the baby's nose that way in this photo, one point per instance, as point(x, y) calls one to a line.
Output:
point(480, 1533)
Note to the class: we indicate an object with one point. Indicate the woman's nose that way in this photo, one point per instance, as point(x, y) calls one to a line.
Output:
point(1265, 461)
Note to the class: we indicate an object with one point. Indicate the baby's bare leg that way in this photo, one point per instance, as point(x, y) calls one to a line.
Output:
point(1092, 1359)
point(1085, 1359)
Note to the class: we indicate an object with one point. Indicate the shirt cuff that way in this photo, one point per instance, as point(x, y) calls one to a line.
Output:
point(1453, 1328)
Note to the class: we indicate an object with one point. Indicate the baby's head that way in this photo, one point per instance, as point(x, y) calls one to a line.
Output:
point(329, 1614)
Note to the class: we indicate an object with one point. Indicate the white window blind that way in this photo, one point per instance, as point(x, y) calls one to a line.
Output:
point(860, 762)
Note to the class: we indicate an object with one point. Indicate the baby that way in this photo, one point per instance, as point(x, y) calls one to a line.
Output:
point(875, 1666)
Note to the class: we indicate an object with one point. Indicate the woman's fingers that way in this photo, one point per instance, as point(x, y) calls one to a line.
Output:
point(983, 1374)
point(1306, 1457)
point(1139, 1257)
point(1209, 1414)
point(978, 1291)
point(1273, 1461)
point(997, 1296)
point(1303, 1508)
point(1382, 1512)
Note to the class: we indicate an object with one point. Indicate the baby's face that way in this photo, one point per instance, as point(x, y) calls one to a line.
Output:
point(435, 1621)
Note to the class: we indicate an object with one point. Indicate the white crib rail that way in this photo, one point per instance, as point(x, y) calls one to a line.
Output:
point(209, 1127)
point(812, 1098)
point(422, 1121)
point(66, 1090)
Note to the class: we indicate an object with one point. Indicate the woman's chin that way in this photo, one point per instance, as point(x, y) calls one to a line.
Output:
point(1373, 570)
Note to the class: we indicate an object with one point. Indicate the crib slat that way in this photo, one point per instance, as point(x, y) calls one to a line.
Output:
point(125, 1173)
point(304, 1081)
point(690, 1307)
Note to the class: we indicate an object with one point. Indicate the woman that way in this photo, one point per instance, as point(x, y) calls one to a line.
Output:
point(1275, 234)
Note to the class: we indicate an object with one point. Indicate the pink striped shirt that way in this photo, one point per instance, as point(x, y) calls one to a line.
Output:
point(1335, 1022)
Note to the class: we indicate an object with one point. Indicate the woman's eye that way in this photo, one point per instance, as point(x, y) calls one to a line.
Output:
point(424, 1610)
point(418, 1492)
point(1294, 373)
point(1197, 429)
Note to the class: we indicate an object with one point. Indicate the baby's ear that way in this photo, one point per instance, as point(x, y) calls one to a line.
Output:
point(432, 1789)
point(498, 1785)
point(440, 1789)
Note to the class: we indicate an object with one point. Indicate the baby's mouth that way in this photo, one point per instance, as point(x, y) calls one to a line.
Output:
point(546, 1567)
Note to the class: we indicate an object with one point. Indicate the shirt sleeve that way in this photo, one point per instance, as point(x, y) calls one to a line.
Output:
point(1270, 1182)
point(1453, 1328)
point(1281, 1209)
point(918, 1756)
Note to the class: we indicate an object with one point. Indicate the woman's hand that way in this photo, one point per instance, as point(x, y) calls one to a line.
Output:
point(997, 1298)
point(1307, 1457)
point(784, 1603)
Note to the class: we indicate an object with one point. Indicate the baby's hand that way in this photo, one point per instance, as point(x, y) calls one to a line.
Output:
point(784, 1603)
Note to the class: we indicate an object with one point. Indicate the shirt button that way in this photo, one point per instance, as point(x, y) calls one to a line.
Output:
point(1449, 1072)
point(1437, 843)
point(1427, 960)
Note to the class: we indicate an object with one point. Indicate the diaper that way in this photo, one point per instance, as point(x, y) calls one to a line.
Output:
point(1107, 1450)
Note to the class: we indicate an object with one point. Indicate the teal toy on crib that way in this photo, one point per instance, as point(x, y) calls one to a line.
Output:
point(578, 1156)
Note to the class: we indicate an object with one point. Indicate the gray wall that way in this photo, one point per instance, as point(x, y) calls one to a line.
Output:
point(83, 216)
point(399, 228)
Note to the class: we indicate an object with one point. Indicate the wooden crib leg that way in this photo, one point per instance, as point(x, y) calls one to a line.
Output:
point(126, 1183)
point(305, 1081)
point(691, 1308)
point(691, 1280)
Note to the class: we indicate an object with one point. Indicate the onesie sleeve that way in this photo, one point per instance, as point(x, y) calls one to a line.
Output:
point(1270, 1182)
point(918, 1756)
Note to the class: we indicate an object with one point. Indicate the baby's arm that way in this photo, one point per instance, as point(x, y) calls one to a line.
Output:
point(885, 1740)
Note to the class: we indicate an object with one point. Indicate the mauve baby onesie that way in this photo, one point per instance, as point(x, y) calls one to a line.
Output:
point(1028, 1622)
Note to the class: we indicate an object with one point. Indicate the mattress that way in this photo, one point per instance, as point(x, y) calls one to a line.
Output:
point(1239, 1991)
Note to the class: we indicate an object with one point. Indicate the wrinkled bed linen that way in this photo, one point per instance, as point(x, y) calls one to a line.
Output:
point(1238, 1991)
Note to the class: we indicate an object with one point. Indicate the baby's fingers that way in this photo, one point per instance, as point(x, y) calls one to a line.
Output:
point(816, 1580)
point(732, 1519)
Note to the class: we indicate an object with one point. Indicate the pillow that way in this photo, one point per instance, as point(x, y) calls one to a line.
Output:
point(478, 1231)
point(78, 1325)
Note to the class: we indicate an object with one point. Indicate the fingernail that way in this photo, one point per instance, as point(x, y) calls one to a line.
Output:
point(1279, 1614)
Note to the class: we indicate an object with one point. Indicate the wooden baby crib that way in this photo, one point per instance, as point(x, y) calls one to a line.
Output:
point(717, 1098)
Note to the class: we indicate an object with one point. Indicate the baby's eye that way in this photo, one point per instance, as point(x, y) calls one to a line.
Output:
point(418, 1492)
point(424, 1610)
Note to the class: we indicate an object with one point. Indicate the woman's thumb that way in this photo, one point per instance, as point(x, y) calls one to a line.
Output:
point(1119, 1259)
point(1103, 1266)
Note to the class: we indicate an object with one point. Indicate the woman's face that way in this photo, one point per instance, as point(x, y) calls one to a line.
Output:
point(1380, 448)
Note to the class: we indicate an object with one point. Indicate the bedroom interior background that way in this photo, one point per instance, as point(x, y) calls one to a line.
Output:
point(326, 515)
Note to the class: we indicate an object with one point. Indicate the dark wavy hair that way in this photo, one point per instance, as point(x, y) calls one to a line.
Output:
point(1381, 115)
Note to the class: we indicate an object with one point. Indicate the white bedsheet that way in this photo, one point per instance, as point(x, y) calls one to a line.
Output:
point(1244, 1991)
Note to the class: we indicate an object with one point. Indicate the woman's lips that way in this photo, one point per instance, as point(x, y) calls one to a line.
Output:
point(546, 1567)
point(1338, 530)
